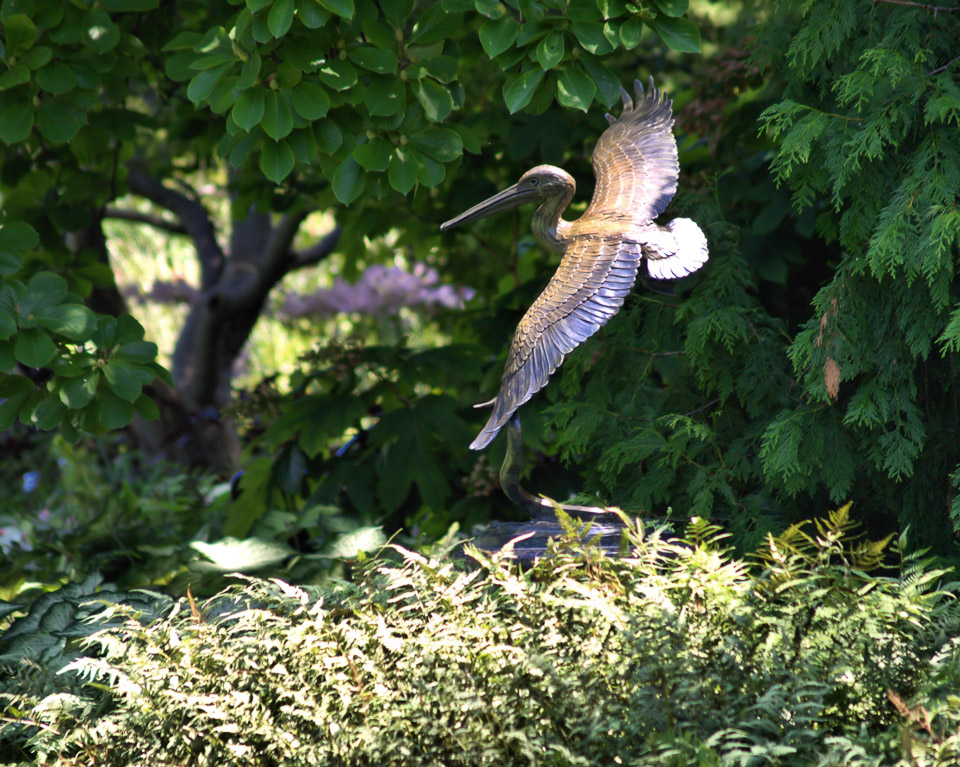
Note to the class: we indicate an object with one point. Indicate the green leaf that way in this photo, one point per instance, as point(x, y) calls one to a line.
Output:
point(575, 88)
point(385, 96)
point(56, 78)
point(519, 89)
point(672, 7)
point(396, 12)
point(338, 75)
point(14, 390)
point(374, 155)
point(280, 17)
point(73, 321)
point(130, 6)
point(20, 33)
point(248, 111)
point(78, 392)
point(680, 34)
point(57, 121)
point(431, 172)
point(122, 379)
point(497, 36)
point(16, 122)
point(37, 58)
point(608, 86)
point(343, 8)
point(33, 348)
point(111, 412)
point(591, 38)
point(141, 352)
point(630, 33)
point(242, 556)
point(441, 144)
point(435, 99)
point(147, 408)
point(203, 83)
point(403, 170)
point(348, 181)
point(249, 72)
point(277, 115)
point(15, 237)
point(99, 32)
point(550, 50)
point(310, 101)
point(7, 361)
point(328, 135)
point(48, 413)
point(434, 25)
point(45, 289)
point(303, 144)
point(311, 14)
point(257, 5)
point(374, 59)
point(8, 326)
point(276, 160)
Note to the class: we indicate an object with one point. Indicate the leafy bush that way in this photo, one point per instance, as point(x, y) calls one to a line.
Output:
point(676, 654)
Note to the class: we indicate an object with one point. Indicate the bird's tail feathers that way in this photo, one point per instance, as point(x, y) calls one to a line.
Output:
point(682, 251)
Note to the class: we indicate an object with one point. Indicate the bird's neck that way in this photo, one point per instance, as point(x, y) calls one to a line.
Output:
point(548, 227)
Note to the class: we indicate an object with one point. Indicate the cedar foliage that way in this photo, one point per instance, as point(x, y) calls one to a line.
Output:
point(675, 654)
point(754, 410)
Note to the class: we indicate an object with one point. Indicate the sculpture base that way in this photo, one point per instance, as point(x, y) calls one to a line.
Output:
point(529, 539)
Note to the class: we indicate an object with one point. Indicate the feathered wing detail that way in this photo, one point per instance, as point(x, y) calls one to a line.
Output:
point(674, 250)
point(635, 160)
point(589, 287)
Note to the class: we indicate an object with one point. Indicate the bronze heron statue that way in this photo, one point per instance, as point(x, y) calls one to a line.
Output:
point(636, 168)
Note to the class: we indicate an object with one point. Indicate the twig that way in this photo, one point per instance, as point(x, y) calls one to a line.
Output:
point(938, 70)
point(935, 8)
point(318, 251)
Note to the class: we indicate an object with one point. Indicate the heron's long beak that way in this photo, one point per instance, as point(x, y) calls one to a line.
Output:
point(505, 200)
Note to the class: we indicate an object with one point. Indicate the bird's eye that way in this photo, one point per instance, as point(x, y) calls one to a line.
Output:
point(534, 181)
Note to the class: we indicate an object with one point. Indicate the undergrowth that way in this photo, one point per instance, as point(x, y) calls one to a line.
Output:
point(821, 649)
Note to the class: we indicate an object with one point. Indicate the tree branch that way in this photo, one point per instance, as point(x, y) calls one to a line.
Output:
point(125, 214)
point(318, 251)
point(934, 8)
point(193, 216)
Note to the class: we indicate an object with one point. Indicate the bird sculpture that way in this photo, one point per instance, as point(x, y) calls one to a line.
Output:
point(636, 168)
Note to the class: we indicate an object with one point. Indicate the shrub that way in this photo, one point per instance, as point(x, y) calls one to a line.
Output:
point(675, 654)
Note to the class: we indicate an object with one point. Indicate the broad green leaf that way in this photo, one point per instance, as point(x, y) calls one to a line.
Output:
point(608, 87)
point(45, 289)
point(434, 98)
point(276, 160)
point(73, 321)
point(10, 262)
point(257, 5)
point(16, 236)
point(33, 348)
point(48, 413)
point(303, 144)
point(78, 392)
point(142, 352)
point(441, 144)
point(431, 172)
point(550, 50)
point(385, 96)
point(56, 78)
point(310, 101)
point(343, 8)
point(7, 361)
point(442, 68)
point(16, 122)
point(99, 32)
point(122, 379)
point(111, 412)
point(14, 390)
point(203, 83)
point(57, 121)
point(497, 36)
point(18, 74)
point(374, 59)
point(249, 72)
point(277, 115)
point(248, 111)
point(241, 556)
point(20, 33)
point(591, 38)
point(630, 33)
point(435, 25)
point(680, 34)
point(519, 89)
point(672, 7)
point(374, 155)
point(575, 88)
point(37, 57)
point(348, 181)
point(329, 137)
point(8, 326)
point(280, 17)
point(147, 408)
point(396, 12)
point(403, 170)
point(338, 75)
point(311, 14)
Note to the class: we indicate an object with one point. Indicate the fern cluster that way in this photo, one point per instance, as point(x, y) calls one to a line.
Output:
point(676, 654)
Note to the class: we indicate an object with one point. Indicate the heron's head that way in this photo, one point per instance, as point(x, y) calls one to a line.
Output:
point(536, 184)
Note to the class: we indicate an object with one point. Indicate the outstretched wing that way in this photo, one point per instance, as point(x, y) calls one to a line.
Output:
point(595, 275)
point(635, 160)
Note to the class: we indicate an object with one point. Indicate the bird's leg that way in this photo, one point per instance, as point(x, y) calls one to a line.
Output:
point(538, 508)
